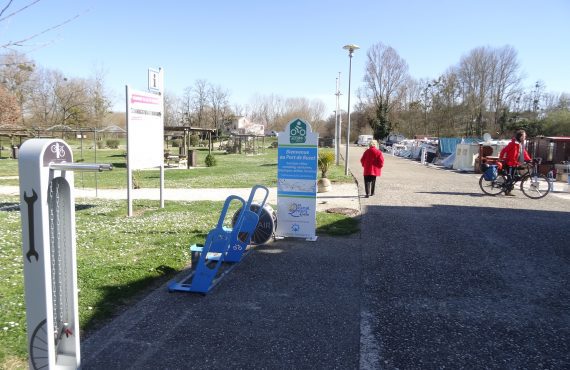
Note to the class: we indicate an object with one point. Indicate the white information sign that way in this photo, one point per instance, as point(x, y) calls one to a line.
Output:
point(145, 129)
point(297, 181)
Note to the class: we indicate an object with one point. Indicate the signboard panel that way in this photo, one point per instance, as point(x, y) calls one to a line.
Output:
point(154, 80)
point(145, 129)
point(297, 181)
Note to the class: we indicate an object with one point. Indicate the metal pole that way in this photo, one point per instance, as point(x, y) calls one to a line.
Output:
point(129, 170)
point(336, 128)
point(337, 122)
point(95, 149)
point(336, 137)
point(348, 128)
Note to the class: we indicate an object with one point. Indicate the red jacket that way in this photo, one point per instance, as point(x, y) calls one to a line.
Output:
point(372, 161)
point(510, 153)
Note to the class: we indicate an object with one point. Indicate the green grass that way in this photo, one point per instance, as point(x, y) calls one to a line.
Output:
point(114, 262)
point(120, 258)
point(335, 224)
point(232, 170)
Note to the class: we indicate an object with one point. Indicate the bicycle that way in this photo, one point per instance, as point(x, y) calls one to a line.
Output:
point(532, 183)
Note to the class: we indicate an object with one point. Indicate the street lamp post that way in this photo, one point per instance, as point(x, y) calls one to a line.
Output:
point(351, 48)
point(337, 122)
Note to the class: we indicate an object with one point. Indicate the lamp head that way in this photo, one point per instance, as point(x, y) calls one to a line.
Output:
point(351, 48)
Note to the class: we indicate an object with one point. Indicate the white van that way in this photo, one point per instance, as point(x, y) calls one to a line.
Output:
point(363, 140)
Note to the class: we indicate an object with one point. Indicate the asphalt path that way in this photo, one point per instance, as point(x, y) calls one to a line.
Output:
point(453, 278)
point(440, 276)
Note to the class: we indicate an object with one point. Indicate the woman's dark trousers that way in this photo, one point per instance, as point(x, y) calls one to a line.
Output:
point(369, 184)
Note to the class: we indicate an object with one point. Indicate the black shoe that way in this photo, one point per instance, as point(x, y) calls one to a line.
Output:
point(366, 196)
point(372, 194)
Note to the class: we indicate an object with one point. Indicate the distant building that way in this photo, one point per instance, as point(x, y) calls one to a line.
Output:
point(243, 126)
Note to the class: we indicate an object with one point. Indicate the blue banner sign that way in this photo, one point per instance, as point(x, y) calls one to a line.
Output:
point(297, 170)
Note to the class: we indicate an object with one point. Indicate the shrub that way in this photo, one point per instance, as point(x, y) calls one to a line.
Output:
point(100, 144)
point(113, 143)
point(210, 160)
point(194, 140)
point(326, 158)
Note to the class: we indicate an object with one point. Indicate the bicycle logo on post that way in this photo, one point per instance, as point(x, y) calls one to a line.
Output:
point(298, 132)
point(56, 153)
point(58, 150)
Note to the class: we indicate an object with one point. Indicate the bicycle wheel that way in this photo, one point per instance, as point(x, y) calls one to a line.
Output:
point(494, 187)
point(535, 187)
point(39, 353)
point(265, 227)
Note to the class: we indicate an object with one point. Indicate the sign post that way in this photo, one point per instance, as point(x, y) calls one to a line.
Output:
point(145, 131)
point(297, 181)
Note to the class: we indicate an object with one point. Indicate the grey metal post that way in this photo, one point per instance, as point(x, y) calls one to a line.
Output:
point(351, 48)
point(337, 132)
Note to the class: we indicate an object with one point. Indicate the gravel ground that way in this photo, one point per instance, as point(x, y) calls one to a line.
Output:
point(456, 279)
point(441, 276)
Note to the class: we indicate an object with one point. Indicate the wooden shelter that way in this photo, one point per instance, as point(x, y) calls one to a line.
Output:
point(184, 151)
point(246, 143)
point(12, 132)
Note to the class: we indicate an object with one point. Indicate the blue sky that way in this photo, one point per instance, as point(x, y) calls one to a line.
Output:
point(291, 48)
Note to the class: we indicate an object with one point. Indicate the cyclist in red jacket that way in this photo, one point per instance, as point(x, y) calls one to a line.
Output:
point(514, 155)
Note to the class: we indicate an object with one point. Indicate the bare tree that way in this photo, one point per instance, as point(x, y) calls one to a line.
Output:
point(6, 13)
point(199, 102)
point(72, 100)
point(16, 73)
point(99, 101)
point(220, 106)
point(186, 106)
point(476, 72)
point(490, 80)
point(267, 110)
point(173, 113)
point(42, 100)
point(317, 112)
point(412, 108)
point(386, 73)
point(506, 83)
point(9, 110)
point(239, 110)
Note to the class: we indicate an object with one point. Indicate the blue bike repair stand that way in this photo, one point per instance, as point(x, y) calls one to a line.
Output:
point(222, 245)
point(241, 237)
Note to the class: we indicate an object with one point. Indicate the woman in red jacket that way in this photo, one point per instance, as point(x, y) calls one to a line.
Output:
point(372, 162)
point(514, 155)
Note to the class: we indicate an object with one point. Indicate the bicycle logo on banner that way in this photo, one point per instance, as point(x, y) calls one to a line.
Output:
point(298, 132)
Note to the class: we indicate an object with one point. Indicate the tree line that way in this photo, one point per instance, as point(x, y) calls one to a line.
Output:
point(483, 92)
point(41, 97)
point(36, 97)
point(207, 105)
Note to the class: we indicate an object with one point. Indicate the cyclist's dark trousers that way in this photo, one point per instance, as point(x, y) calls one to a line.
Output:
point(369, 184)
point(511, 174)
